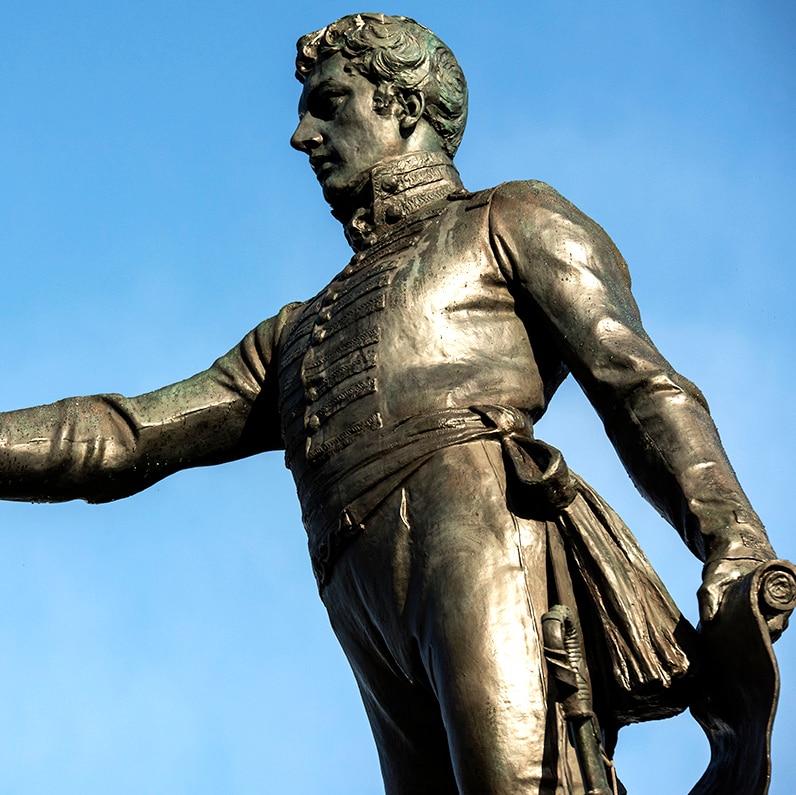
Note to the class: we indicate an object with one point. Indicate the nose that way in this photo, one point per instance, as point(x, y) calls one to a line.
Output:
point(307, 136)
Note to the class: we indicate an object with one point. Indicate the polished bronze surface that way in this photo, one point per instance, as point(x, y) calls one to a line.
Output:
point(404, 396)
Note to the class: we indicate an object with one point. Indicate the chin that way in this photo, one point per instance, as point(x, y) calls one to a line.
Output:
point(333, 184)
point(332, 193)
point(339, 192)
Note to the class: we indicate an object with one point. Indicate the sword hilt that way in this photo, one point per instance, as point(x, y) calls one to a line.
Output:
point(565, 660)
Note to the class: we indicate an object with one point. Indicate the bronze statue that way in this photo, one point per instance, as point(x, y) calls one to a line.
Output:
point(441, 532)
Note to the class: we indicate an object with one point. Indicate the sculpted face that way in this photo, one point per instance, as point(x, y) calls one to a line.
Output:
point(340, 129)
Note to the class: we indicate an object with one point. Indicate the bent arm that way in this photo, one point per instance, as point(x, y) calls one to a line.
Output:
point(572, 276)
point(104, 447)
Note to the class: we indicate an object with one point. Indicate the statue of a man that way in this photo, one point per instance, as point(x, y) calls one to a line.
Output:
point(404, 395)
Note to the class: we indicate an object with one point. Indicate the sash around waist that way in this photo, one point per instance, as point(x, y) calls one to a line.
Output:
point(339, 495)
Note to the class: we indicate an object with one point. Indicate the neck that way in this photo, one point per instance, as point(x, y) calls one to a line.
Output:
point(393, 190)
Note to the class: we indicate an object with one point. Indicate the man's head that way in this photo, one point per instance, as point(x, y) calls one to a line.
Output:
point(375, 87)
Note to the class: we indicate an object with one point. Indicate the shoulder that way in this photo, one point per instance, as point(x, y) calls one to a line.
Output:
point(537, 217)
point(522, 202)
point(256, 350)
point(269, 331)
point(533, 199)
point(526, 190)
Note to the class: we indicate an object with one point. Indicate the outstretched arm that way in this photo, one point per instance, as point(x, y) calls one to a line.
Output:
point(104, 447)
point(573, 278)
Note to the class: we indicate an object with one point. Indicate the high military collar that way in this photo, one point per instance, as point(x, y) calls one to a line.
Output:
point(397, 188)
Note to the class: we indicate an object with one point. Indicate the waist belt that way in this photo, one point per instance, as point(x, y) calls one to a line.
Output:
point(343, 492)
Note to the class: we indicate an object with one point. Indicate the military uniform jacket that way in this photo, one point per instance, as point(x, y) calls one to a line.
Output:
point(453, 300)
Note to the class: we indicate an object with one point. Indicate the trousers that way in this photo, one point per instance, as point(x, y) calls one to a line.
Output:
point(437, 606)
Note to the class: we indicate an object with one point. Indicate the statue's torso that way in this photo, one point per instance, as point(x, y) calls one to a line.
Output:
point(422, 321)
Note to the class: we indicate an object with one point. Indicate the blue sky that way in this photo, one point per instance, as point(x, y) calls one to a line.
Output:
point(152, 213)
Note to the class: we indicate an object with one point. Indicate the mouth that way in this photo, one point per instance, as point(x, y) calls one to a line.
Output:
point(321, 165)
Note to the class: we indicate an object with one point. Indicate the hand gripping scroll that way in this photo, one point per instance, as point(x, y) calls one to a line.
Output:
point(737, 698)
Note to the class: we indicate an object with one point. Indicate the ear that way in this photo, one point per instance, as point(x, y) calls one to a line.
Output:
point(413, 105)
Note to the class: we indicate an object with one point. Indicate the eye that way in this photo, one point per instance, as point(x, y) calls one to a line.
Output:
point(324, 102)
